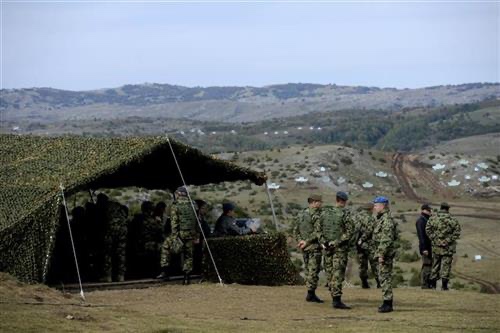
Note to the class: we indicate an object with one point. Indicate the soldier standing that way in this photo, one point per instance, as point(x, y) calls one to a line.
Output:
point(443, 231)
point(307, 228)
point(365, 223)
point(185, 234)
point(424, 246)
point(336, 236)
point(385, 236)
point(115, 238)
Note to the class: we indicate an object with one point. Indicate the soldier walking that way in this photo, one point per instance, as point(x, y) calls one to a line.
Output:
point(424, 246)
point(336, 236)
point(385, 236)
point(365, 223)
point(307, 229)
point(185, 234)
point(443, 231)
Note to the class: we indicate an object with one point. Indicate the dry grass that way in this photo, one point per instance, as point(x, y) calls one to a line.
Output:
point(209, 307)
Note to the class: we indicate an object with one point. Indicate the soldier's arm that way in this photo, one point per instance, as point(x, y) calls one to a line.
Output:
point(317, 227)
point(456, 230)
point(429, 230)
point(386, 238)
point(295, 227)
point(348, 228)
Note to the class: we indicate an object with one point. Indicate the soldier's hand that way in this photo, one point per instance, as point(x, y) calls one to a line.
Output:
point(381, 260)
point(302, 244)
point(425, 253)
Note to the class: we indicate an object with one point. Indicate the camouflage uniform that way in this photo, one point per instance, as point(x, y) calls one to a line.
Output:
point(184, 228)
point(307, 228)
point(365, 223)
point(115, 240)
point(385, 238)
point(443, 231)
point(337, 232)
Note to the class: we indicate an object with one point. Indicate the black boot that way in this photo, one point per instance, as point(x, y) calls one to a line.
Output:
point(378, 283)
point(311, 297)
point(365, 284)
point(187, 279)
point(337, 303)
point(432, 284)
point(444, 284)
point(386, 307)
point(164, 276)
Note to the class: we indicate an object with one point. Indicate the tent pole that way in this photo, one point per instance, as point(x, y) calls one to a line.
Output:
point(195, 213)
point(82, 295)
point(275, 220)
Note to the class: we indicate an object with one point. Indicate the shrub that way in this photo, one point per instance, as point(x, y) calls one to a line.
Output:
point(409, 257)
point(415, 280)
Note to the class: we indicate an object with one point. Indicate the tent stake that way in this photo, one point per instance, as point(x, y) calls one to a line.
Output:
point(82, 295)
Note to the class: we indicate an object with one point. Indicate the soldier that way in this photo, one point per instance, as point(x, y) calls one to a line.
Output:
point(185, 234)
point(337, 232)
point(306, 229)
point(385, 236)
point(365, 223)
point(424, 246)
point(443, 231)
point(115, 238)
point(226, 224)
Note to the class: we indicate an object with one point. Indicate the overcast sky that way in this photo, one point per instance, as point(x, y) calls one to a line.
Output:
point(81, 46)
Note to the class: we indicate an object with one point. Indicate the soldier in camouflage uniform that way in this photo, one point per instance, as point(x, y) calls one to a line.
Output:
point(365, 223)
point(385, 238)
point(185, 234)
point(443, 230)
point(306, 229)
point(337, 230)
point(115, 238)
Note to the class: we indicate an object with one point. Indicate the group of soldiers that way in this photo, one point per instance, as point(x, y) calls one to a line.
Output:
point(437, 234)
point(328, 233)
point(110, 247)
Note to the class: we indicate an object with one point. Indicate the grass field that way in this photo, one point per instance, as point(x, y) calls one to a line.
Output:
point(210, 308)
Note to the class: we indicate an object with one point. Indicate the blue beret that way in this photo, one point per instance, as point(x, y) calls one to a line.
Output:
point(342, 195)
point(383, 200)
point(228, 206)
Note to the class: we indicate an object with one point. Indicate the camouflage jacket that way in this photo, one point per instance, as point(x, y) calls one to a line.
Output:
point(385, 235)
point(116, 216)
point(365, 223)
point(307, 227)
point(443, 230)
point(337, 227)
point(183, 219)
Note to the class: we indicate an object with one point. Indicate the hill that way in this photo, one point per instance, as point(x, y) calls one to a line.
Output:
point(227, 104)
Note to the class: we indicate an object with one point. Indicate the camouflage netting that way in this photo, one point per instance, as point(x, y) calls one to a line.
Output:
point(31, 169)
point(261, 259)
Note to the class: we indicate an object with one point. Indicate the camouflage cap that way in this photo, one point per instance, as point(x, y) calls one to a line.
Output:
point(315, 197)
point(445, 205)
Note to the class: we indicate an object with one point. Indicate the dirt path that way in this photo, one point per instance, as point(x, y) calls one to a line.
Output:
point(490, 287)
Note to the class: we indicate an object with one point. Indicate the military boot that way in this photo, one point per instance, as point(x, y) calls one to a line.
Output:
point(164, 276)
point(386, 307)
point(337, 303)
point(444, 284)
point(187, 279)
point(311, 297)
point(365, 284)
point(432, 284)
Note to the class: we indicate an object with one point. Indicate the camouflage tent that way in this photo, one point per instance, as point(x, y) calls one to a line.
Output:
point(32, 168)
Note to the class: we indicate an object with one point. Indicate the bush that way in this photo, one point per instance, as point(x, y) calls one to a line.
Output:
point(409, 257)
point(397, 279)
point(268, 264)
point(346, 160)
point(415, 280)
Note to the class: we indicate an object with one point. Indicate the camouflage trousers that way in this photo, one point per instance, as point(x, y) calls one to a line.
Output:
point(335, 266)
point(312, 264)
point(441, 266)
point(186, 252)
point(385, 278)
point(115, 243)
point(366, 257)
point(425, 273)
